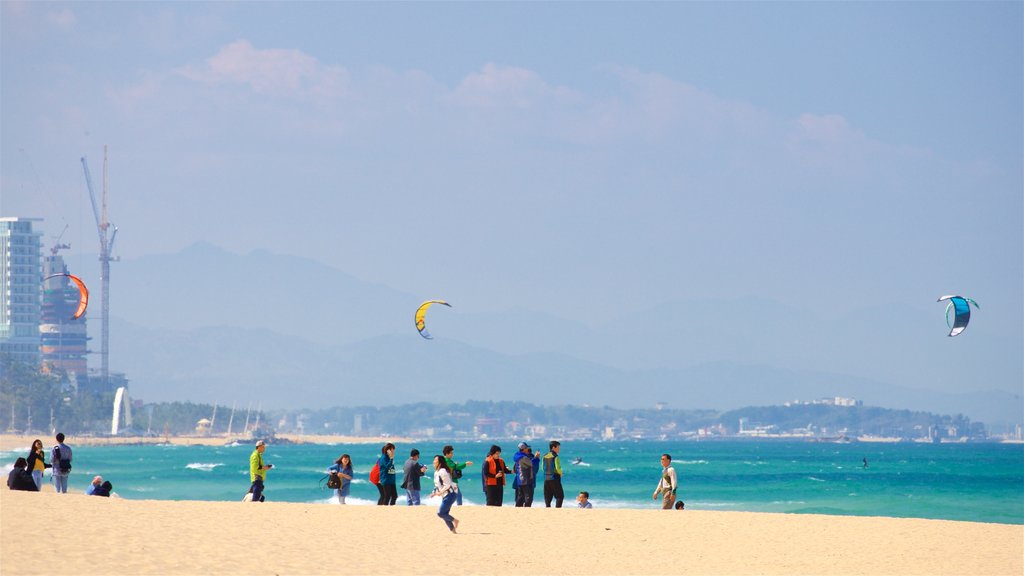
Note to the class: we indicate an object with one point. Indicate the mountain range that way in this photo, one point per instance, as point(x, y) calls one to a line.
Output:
point(207, 325)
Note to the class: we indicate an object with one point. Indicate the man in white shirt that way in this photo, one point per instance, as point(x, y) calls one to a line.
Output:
point(668, 483)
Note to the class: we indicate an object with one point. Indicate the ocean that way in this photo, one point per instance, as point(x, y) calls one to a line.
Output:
point(973, 482)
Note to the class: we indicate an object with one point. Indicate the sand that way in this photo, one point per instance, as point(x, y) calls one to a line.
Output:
point(101, 536)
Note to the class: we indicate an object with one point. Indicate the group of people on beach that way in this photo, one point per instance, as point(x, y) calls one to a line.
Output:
point(527, 467)
point(27, 474)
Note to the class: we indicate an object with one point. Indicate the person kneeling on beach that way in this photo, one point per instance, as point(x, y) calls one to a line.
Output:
point(21, 479)
point(447, 490)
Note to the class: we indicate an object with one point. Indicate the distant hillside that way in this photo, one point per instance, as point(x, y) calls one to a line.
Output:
point(224, 364)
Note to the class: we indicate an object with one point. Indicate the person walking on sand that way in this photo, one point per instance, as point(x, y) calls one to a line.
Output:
point(455, 470)
point(258, 471)
point(553, 475)
point(668, 483)
point(388, 487)
point(60, 456)
point(413, 470)
point(446, 489)
point(342, 468)
point(37, 462)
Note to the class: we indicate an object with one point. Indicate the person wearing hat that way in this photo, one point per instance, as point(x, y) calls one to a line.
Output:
point(525, 465)
point(258, 471)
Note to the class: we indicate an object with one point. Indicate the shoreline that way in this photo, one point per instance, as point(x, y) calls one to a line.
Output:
point(17, 441)
point(190, 537)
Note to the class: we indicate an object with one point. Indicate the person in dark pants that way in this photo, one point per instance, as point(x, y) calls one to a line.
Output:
point(553, 476)
point(526, 465)
point(494, 476)
point(258, 471)
point(388, 484)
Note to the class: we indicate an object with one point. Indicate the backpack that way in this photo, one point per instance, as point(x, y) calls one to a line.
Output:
point(333, 481)
point(375, 473)
point(63, 464)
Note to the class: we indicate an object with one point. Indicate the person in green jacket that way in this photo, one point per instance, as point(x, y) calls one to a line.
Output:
point(258, 471)
point(553, 475)
point(456, 469)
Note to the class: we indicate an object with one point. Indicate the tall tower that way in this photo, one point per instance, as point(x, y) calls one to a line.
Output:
point(63, 337)
point(20, 276)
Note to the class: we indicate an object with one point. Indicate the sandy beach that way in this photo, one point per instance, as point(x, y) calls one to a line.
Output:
point(102, 536)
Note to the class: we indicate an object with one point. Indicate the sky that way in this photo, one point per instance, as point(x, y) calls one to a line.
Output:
point(583, 159)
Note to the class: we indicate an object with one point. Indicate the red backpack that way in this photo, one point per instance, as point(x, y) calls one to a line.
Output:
point(375, 473)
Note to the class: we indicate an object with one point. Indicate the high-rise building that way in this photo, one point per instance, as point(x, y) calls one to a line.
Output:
point(20, 276)
point(63, 337)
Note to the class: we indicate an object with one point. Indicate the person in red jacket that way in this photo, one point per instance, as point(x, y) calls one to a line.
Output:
point(494, 476)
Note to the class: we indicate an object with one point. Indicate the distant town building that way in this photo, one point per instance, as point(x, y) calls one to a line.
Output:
point(20, 276)
point(833, 401)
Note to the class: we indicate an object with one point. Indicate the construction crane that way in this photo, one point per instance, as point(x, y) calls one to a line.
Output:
point(103, 225)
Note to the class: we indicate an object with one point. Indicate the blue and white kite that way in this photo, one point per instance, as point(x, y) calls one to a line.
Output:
point(961, 306)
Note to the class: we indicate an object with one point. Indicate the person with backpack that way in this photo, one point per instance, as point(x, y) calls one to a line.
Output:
point(455, 469)
point(388, 478)
point(553, 475)
point(375, 480)
point(525, 464)
point(60, 456)
point(340, 477)
point(494, 476)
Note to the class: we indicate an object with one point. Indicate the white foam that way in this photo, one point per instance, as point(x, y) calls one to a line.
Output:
point(205, 467)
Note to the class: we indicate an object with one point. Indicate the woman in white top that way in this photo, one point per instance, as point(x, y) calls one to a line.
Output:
point(447, 490)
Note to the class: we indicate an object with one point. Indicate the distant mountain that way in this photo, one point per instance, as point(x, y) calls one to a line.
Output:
point(226, 364)
point(204, 323)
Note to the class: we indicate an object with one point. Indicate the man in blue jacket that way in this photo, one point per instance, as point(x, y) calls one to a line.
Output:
point(525, 466)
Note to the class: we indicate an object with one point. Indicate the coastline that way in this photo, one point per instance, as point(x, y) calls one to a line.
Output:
point(17, 441)
point(188, 537)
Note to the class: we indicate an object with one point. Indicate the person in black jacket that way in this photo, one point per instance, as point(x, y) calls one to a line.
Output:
point(37, 463)
point(20, 479)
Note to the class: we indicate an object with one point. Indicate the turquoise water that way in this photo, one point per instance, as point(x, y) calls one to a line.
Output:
point(976, 482)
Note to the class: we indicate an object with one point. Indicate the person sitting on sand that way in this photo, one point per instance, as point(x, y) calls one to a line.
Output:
point(680, 505)
point(103, 489)
point(21, 479)
point(96, 482)
point(584, 500)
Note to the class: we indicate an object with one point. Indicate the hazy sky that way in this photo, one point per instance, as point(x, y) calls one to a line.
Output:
point(578, 158)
